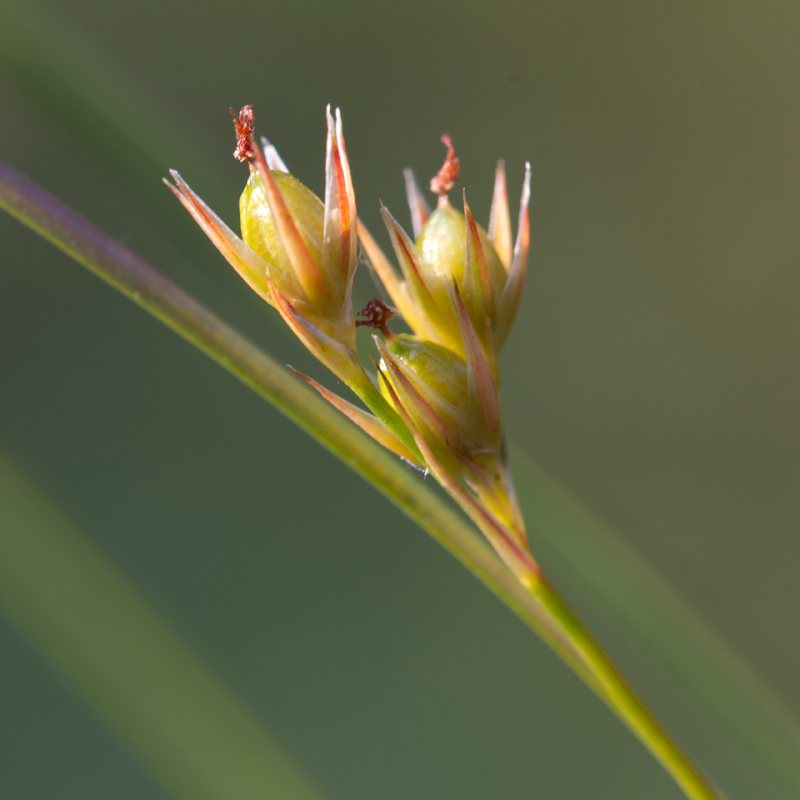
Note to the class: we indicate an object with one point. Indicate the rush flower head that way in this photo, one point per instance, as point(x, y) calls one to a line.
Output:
point(451, 246)
point(298, 253)
point(435, 398)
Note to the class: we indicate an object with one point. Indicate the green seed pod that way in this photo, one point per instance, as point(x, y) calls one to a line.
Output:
point(442, 244)
point(260, 233)
point(452, 403)
point(440, 378)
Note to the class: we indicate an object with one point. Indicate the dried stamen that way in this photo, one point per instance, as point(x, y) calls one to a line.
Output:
point(377, 315)
point(451, 169)
point(244, 125)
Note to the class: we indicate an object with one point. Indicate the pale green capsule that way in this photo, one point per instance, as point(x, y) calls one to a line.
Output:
point(442, 245)
point(259, 231)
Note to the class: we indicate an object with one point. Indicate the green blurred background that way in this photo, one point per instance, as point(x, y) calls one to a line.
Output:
point(654, 366)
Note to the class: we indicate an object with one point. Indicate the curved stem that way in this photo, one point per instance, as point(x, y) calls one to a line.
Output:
point(537, 603)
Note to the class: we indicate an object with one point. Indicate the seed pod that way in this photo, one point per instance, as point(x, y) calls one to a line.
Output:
point(453, 404)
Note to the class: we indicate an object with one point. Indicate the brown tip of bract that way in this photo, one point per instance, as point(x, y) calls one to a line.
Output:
point(244, 125)
point(447, 176)
point(377, 314)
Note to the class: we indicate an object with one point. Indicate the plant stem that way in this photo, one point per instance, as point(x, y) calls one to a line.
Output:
point(609, 576)
point(619, 696)
point(538, 604)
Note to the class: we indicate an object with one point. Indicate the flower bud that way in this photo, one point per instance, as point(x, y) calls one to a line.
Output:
point(439, 376)
point(455, 248)
point(437, 403)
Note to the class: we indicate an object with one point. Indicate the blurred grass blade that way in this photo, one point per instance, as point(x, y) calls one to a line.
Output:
point(145, 682)
point(98, 104)
point(607, 573)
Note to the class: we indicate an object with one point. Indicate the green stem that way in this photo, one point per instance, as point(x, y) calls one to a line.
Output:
point(539, 606)
point(616, 692)
point(610, 577)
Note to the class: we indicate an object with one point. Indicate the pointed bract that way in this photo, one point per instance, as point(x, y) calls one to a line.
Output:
point(500, 217)
point(427, 291)
point(476, 286)
point(420, 210)
point(274, 161)
point(337, 356)
point(347, 179)
point(396, 287)
point(306, 269)
point(339, 236)
point(512, 292)
point(414, 396)
point(408, 256)
point(369, 423)
point(481, 380)
point(248, 264)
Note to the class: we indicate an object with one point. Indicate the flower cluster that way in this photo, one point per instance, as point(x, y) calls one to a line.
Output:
point(435, 399)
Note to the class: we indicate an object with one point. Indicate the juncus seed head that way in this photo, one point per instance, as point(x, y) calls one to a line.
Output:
point(298, 252)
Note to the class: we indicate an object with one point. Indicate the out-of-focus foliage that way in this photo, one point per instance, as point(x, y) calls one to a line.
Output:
point(91, 624)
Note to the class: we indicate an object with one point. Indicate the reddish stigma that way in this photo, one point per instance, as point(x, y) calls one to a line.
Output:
point(377, 315)
point(244, 125)
point(447, 176)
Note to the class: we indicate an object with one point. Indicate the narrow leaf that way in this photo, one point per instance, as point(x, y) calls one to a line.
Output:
point(368, 423)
